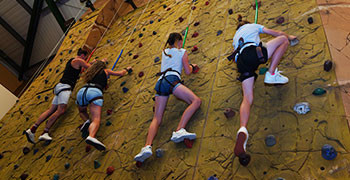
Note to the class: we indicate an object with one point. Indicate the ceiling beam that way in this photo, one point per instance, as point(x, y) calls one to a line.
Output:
point(12, 31)
point(33, 27)
point(9, 61)
point(57, 13)
point(25, 6)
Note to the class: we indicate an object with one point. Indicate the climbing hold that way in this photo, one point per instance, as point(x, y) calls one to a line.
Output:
point(21, 112)
point(195, 34)
point(280, 178)
point(168, 9)
point(294, 42)
point(165, 6)
point(15, 166)
point(110, 170)
point(46, 81)
point(87, 148)
point(230, 11)
point(229, 113)
point(213, 178)
point(319, 91)
point(141, 74)
point(1, 156)
point(67, 165)
point(108, 123)
point(196, 23)
point(70, 36)
point(154, 33)
point(42, 74)
point(310, 20)
point(97, 164)
point(194, 49)
point(72, 42)
point(48, 157)
point(159, 153)
point(181, 19)
point(183, 32)
point(302, 108)
point(144, 29)
point(109, 112)
point(328, 152)
point(50, 69)
point(125, 89)
point(195, 69)
point(193, 7)
point(270, 140)
point(27, 118)
point(38, 96)
point(244, 159)
point(138, 164)
point(61, 60)
point(159, 20)
point(140, 45)
point(130, 54)
point(57, 70)
point(56, 177)
point(46, 143)
point(62, 148)
point(108, 40)
point(80, 19)
point(69, 51)
point(134, 29)
point(61, 53)
point(188, 143)
point(219, 33)
point(157, 59)
point(123, 83)
point(327, 66)
point(26, 150)
point(23, 176)
point(280, 20)
point(70, 150)
point(152, 12)
point(46, 98)
point(207, 3)
point(263, 70)
point(140, 35)
point(135, 56)
point(35, 151)
point(132, 40)
point(151, 22)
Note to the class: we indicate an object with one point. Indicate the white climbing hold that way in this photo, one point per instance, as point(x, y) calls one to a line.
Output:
point(302, 108)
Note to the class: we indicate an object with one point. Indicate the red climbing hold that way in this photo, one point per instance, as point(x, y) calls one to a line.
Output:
point(193, 7)
point(168, 9)
point(138, 164)
point(254, 5)
point(195, 69)
point(188, 143)
point(207, 3)
point(152, 12)
point(132, 40)
point(140, 45)
point(135, 56)
point(141, 74)
point(110, 170)
point(195, 34)
point(109, 112)
point(280, 20)
point(194, 49)
point(87, 148)
point(181, 19)
point(229, 113)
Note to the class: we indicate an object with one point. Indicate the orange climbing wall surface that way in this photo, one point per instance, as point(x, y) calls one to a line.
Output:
point(297, 154)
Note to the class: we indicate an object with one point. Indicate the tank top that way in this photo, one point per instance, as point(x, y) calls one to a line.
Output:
point(100, 79)
point(70, 74)
point(174, 62)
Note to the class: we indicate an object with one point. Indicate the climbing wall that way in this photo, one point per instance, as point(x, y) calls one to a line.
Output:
point(128, 101)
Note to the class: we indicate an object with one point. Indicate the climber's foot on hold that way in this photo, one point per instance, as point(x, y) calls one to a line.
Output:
point(240, 147)
point(96, 143)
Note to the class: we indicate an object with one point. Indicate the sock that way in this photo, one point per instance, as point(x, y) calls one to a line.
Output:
point(33, 128)
point(273, 74)
point(46, 131)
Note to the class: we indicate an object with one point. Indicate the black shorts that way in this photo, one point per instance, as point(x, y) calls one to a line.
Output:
point(248, 62)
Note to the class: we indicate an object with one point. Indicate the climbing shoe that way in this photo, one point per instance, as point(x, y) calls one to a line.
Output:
point(182, 134)
point(45, 137)
point(277, 78)
point(85, 126)
point(145, 153)
point(96, 143)
point(30, 136)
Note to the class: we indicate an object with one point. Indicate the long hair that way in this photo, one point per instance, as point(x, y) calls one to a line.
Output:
point(173, 37)
point(93, 70)
point(241, 22)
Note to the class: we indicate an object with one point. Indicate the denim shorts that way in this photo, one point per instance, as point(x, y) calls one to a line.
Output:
point(164, 88)
point(90, 94)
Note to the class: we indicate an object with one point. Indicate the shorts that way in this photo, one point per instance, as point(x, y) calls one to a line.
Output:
point(248, 62)
point(164, 88)
point(84, 98)
point(63, 96)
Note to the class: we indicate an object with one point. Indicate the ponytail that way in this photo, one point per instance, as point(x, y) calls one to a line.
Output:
point(173, 37)
point(165, 46)
point(241, 22)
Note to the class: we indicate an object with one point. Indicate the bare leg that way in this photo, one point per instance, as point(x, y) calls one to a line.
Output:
point(247, 86)
point(83, 113)
point(275, 50)
point(46, 114)
point(161, 102)
point(95, 111)
point(52, 119)
point(185, 94)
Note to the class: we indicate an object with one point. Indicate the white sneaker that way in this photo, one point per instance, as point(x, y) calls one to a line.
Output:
point(85, 126)
point(182, 134)
point(241, 141)
point(277, 78)
point(145, 153)
point(96, 143)
point(45, 137)
point(30, 136)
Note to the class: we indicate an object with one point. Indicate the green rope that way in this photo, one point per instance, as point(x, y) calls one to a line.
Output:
point(183, 45)
point(256, 11)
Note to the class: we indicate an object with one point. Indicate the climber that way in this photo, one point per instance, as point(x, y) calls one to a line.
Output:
point(62, 92)
point(250, 53)
point(92, 94)
point(173, 59)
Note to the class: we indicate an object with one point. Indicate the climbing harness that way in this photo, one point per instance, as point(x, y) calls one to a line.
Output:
point(164, 78)
point(87, 86)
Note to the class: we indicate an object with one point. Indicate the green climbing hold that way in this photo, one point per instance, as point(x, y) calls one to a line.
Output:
point(97, 164)
point(108, 123)
point(263, 70)
point(319, 92)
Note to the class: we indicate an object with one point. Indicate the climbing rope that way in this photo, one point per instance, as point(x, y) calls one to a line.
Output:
point(42, 66)
point(188, 25)
point(121, 52)
point(256, 11)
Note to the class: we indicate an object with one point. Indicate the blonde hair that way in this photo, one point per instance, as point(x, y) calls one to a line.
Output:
point(93, 70)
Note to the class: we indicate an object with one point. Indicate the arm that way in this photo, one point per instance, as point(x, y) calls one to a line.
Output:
point(278, 33)
point(188, 68)
point(117, 73)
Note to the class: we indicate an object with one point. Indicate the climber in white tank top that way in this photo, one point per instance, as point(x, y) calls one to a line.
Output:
point(173, 59)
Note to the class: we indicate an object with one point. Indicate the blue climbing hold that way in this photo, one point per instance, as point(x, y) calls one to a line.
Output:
point(213, 178)
point(15, 166)
point(80, 19)
point(39, 96)
point(151, 22)
point(79, 31)
point(69, 51)
point(270, 140)
point(46, 98)
point(134, 29)
point(328, 152)
point(157, 59)
point(165, 6)
point(48, 157)
point(46, 81)
point(72, 42)
point(219, 33)
point(108, 123)
point(57, 70)
point(123, 83)
point(61, 60)
point(56, 177)
point(35, 151)
point(27, 118)
point(70, 36)
point(154, 32)
point(61, 53)
point(159, 20)
point(70, 150)
point(159, 153)
point(67, 165)
point(62, 148)
point(97, 164)
point(144, 29)
point(125, 89)
point(140, 35)
point(108, 40)
point(50, 69)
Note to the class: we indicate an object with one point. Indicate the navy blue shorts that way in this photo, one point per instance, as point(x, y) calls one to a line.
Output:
point(164, 88)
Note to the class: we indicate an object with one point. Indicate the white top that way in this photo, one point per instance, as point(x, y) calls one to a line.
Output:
point(250, 33)
point(174, 62)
